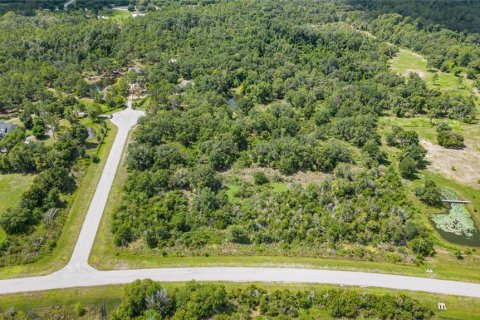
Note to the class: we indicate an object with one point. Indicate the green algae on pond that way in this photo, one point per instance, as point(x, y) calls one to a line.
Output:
point(456, 225)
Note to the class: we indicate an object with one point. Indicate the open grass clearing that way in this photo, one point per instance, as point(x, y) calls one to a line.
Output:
point(90, 104)
point(119, 14)
point(11, 188)
point(457, 307)
point(460, 165)
point(407, 61)
point(79, 205)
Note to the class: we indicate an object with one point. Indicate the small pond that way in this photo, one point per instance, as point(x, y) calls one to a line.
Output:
point(456, 224)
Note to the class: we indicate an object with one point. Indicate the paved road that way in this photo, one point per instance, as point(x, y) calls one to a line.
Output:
point(84, 278)
point(124, 120)
point(78, 273)
point(69, 2)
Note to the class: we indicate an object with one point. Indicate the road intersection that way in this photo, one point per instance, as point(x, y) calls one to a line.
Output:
point(78, 273)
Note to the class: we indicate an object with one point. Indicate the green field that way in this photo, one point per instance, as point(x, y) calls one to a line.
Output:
point(423, 127)
point(119, 14)
point(93, 298)
point(89, 104)
point(11, 188)
point(408, 61)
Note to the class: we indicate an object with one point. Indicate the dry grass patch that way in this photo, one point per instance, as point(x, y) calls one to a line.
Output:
point(462, 166)
point(301, 177)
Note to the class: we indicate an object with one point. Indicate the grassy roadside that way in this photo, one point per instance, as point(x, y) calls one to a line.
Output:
point(81, 200)
point(94, 297)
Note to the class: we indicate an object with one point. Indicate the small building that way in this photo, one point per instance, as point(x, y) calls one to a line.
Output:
point(30, 139)
point(82, 114)
point(6, 128)
point(135, 69)
point(185, 83)
point(442, 306)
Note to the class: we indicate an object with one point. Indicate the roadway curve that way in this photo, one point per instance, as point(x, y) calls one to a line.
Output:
point(69, 2)
point(78, 273)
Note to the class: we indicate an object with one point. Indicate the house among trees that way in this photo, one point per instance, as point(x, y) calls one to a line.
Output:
point(5, 128)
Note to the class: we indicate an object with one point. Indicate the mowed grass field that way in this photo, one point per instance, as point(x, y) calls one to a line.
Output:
point(11, 188)
point(94, 297)
point(118, 14)
point(408, 61)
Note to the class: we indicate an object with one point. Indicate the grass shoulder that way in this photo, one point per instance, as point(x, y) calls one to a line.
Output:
point(92, 299)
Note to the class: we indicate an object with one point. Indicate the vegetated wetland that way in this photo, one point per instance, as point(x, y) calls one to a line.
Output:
point(456, 225)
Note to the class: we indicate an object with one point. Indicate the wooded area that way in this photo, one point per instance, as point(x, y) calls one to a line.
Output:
point(288, 87)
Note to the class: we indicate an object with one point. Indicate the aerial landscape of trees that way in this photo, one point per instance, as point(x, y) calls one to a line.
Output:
point(272, 129)
point(289, 88)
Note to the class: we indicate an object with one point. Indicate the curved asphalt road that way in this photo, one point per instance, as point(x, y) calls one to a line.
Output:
point(77, 273)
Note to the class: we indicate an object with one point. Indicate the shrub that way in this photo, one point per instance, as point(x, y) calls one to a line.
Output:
point(447, 138)
point(260, 178)
point(79, 309)
point(422, 246)
point(38, 131)
point(238, 234)
point(429, 194)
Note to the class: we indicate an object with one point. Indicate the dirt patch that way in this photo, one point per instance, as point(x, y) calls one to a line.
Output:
point(302, 177)
point(407, 72)
point(460, 165)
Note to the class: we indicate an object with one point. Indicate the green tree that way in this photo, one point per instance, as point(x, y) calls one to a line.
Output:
point(38, 130)
point(408, 167)
point(429, 194)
